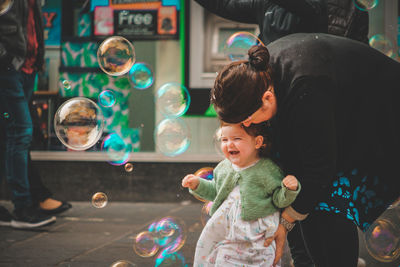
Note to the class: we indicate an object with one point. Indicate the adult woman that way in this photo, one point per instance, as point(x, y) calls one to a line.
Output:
point(331, 104)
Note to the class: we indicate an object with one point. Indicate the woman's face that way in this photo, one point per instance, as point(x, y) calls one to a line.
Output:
point(265, 112)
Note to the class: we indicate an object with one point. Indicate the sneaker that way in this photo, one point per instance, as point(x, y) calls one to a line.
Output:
point(31, 218)
point(5, 217)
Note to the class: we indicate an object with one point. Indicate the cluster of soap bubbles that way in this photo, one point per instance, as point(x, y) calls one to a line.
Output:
point(172, 135)
point(165, 237)
point(383, 237)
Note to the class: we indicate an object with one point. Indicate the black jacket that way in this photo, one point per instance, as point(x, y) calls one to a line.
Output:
point(13, 35)
point(337, 123)
point(344, 19)
point(275, 18)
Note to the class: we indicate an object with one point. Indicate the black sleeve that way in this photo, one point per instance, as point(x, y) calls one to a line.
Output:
point(245, 11)
point(312, 139)
point(304, 8)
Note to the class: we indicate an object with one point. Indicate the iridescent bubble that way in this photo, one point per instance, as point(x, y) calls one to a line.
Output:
point(169, 231)
point(5, 5)
point(78, 123)
point(171, 259)
point(66, 85)
point(116, 148)
point(128, 167)
point(205, 212)
point(141, 76)
point(238, 44)
point(382, 44)
point(365, 5)
point(145, 245)
point(107, 98)
point(99, 200)
point(205, 173)
point(123, 263)
point(383, 240)
point(173, 100)
point(217, 142)
point(172, 137)
point(116, 55)
point(6, 115)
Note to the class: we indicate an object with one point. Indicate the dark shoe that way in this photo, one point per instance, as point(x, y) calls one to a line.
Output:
point(31, 218)
point(63, 207)
point(5, 217)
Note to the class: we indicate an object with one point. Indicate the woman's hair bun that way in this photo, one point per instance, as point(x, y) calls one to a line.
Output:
point(259, 57)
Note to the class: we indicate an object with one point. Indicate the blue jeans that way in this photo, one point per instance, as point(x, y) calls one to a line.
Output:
point(16, 88)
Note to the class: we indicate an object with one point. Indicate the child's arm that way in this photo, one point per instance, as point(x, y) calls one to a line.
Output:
point(285, 194)
point(200, 187)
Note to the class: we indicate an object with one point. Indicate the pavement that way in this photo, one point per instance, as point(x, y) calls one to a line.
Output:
point(86, 236)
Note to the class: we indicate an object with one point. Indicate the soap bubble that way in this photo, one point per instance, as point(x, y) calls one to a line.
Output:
point(205, 173)
point(5, 5)
point(141, 76)
point(78, 123)
point(382, 44)
point(128, 167)
point(107, 98)
point(172, 137)
point(123, 263)
point(205, 212)
point(166, 258)
point(365, 5)
point(116, 148)
point(217, 142)
point(238, 45)
point(116, 55)
point(172, 100)
point(99, 200)
point(66, 84)
point(383, 240)
point(145, 245)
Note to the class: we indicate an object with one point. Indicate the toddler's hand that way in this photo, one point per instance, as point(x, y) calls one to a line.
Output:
point(290, 182)
point(191, 181)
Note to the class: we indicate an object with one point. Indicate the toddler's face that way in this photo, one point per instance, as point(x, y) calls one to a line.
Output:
point(239, 147)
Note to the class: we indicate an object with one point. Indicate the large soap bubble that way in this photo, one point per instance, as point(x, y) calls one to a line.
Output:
point(172, 137)
point(116, 55)
point(5, 5)
point(382, 44)
point(172, 100)
point(141, 76)
point(383, 240)
point(238, 45)
point(78, 123)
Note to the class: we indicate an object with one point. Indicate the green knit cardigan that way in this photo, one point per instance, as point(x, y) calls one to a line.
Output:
point(261, 189)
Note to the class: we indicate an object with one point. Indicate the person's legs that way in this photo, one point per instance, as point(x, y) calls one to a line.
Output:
point(298, 250)
point(16, 89)
point(332, 239)
point(18, 135)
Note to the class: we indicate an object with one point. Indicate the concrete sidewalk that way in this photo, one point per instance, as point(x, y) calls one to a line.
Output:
point(85, 236)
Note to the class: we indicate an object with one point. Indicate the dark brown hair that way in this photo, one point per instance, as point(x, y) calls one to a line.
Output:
point(255, 130)
point(239, 87)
